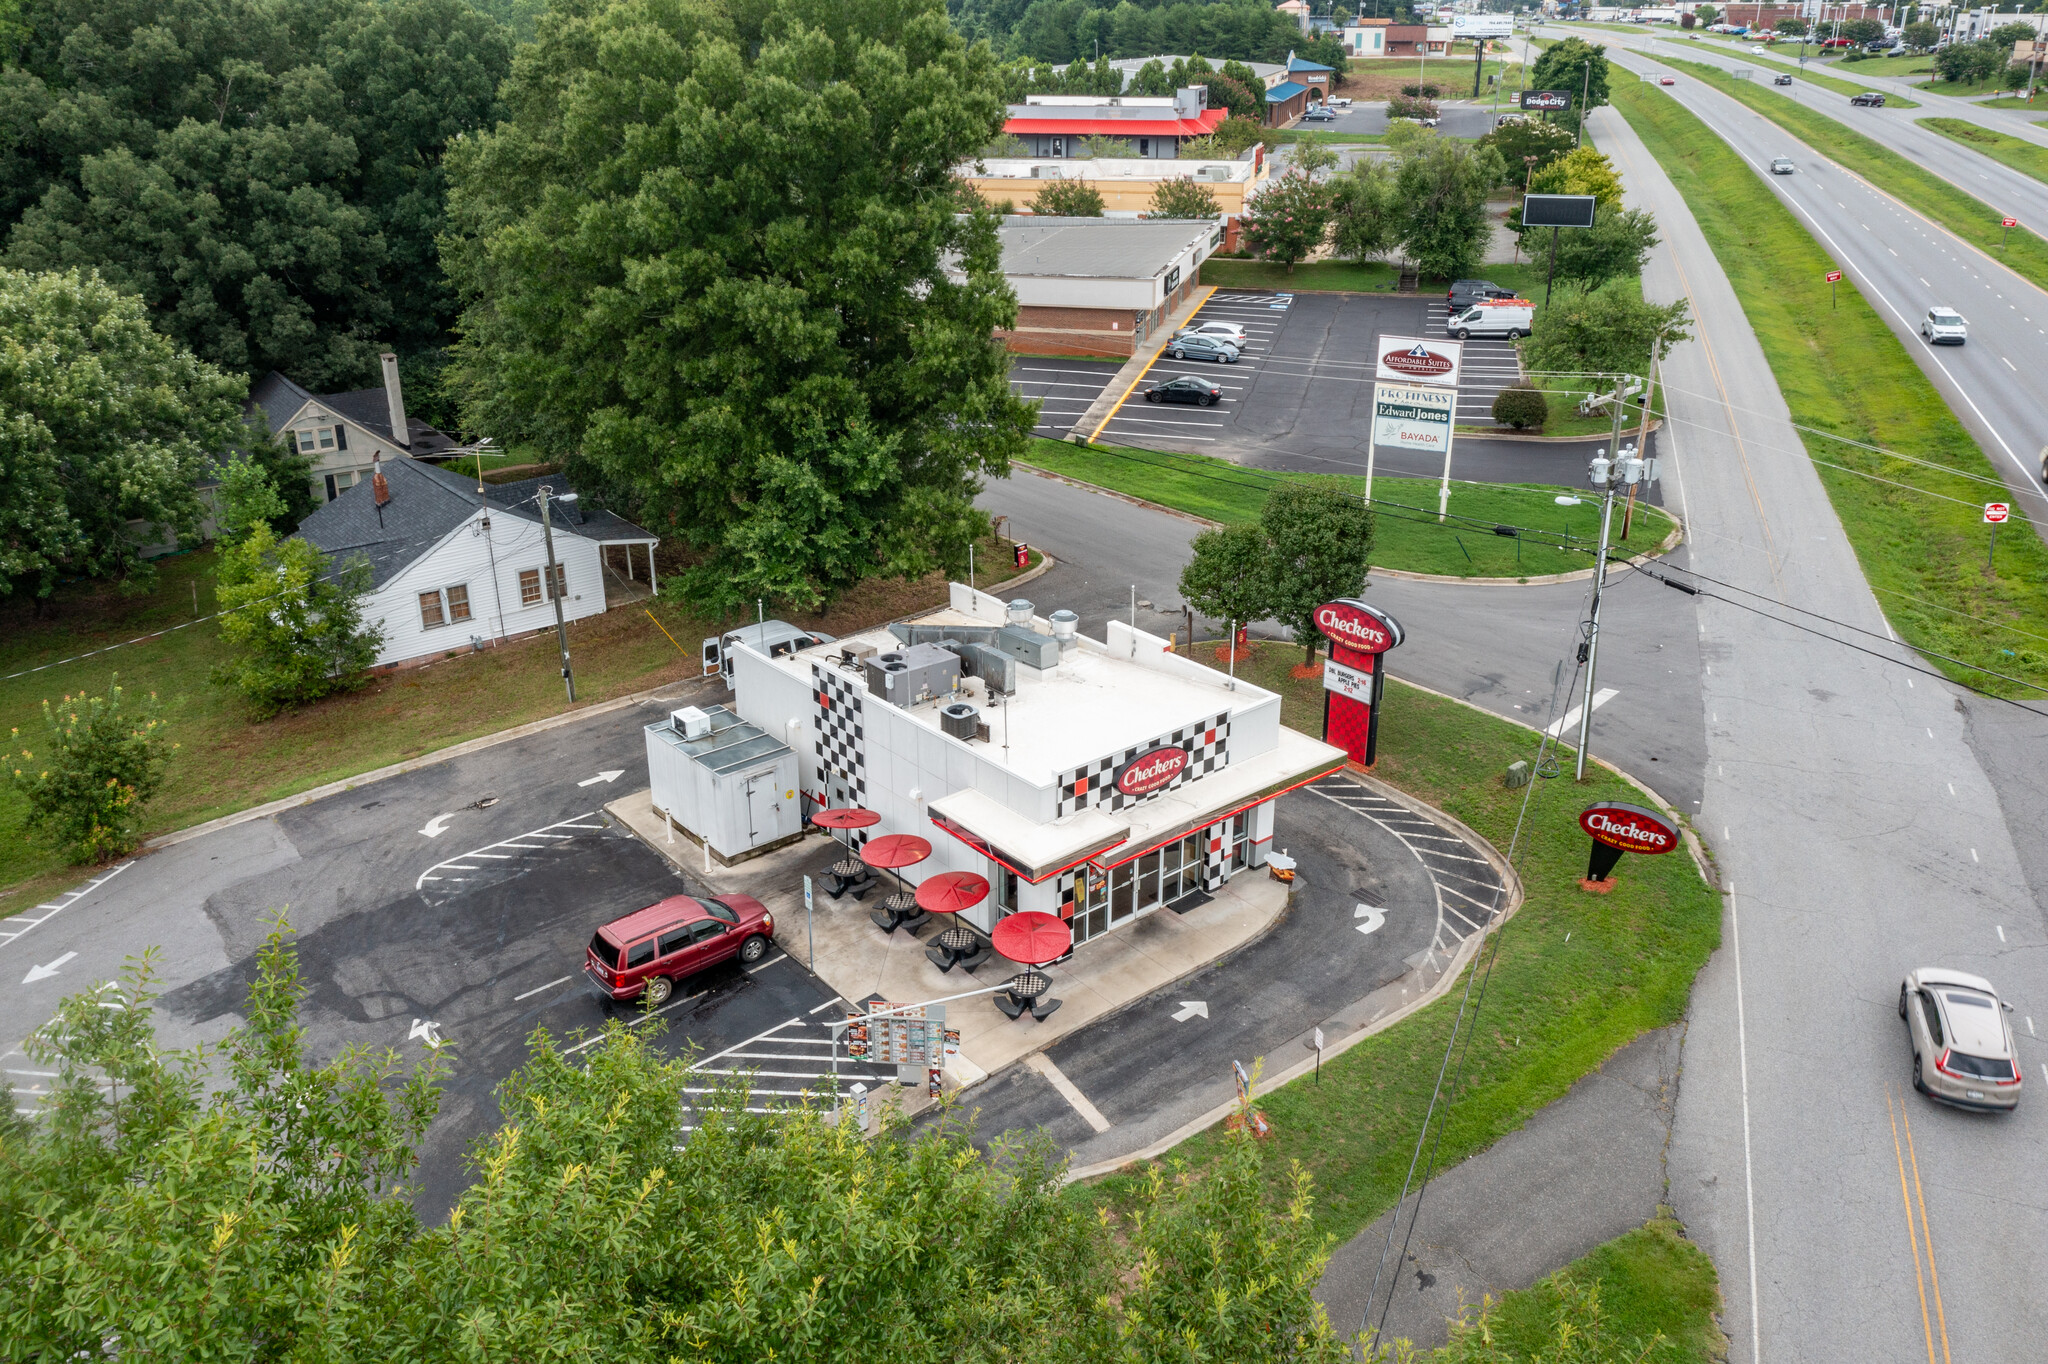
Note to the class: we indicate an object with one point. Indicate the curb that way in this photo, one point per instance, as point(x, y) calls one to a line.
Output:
point(1487, 433)
point(483, 741)
point(1669, 543)
point(1453, 970)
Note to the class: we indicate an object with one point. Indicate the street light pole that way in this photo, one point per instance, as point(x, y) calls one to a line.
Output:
point(555, 585)
point(1585, 93)
point(1624, 470)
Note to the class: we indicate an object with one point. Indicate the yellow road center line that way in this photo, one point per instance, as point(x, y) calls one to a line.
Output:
point(1912, 1233)
point(1926, 1234)
point(1143, 372)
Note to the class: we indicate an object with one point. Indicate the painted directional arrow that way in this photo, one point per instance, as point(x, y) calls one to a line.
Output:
point(36, 973)
point(437, 826)
point(1373, 918)
point(612, 775)
point(1191, 1008)
point(425, 1029)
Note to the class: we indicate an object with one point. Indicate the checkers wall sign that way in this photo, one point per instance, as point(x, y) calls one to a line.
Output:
point(1148, 772)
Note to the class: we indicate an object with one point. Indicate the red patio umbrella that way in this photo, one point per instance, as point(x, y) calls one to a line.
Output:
point(952, 891)
point(846, 817)
point(895, 850)
point(1032, 938)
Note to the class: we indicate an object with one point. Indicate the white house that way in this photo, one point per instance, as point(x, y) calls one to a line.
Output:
point(453, 568)
point(345, 433)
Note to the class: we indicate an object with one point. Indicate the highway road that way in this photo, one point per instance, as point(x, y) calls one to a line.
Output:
point(1904, 264)
point(1860, 830)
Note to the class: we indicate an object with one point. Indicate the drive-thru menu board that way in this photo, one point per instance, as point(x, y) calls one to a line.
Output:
point(912, 1038)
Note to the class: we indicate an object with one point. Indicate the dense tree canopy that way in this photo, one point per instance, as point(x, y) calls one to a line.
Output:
point(103, 421)
point(1442, 188)
point(714, 257)
point(1062, 30)
point(1577, 67)
point(266, 174)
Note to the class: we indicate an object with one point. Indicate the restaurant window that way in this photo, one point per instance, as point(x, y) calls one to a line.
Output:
point(1239, 846)
point(1003, 889)
point(1144, 146)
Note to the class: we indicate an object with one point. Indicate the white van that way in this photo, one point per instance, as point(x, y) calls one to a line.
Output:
point(1509, 317)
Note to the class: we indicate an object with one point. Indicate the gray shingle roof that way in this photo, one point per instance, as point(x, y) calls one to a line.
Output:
point(1095, 248)
point(280, 399)
point(426, 503)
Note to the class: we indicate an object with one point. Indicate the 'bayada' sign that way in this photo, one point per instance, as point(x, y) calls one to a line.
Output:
point(1148, 772)
point(1355, 625)
point(1630, 828)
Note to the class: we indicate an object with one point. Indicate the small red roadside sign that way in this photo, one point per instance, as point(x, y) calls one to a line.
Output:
point(1996, 512)
point(1834, 276)
point(2010, 222)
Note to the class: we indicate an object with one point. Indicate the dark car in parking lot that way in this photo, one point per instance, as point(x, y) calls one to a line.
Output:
point(1322, 113)
point(1187, 388)
point(1869, 99)
point(1202, 346)
point(1466, 292)
point(648, 951)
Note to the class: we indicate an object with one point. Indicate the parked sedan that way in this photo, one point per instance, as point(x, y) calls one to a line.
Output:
point(645, 953)
point(1228, 331)
point(1963, 1052)
point(1187, 388)
point(1782, 165)
point(1869, 99)
point(1322, 113)
point(1202, 347)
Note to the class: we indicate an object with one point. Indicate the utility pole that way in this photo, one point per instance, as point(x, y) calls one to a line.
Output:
point(1625, 470)
point(547, 533)
point(1585, 93)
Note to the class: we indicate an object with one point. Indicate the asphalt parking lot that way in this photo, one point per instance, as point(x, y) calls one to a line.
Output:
point(1459, 120)
point(1064, 386)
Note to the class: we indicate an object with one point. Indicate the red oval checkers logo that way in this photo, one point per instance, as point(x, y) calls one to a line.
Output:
point(1148, 772)
point(1358, 626)
point(1418, 361)
point(1630, 828)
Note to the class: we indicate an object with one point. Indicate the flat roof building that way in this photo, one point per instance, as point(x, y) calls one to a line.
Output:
point(1093, 780)
point(1099, 286)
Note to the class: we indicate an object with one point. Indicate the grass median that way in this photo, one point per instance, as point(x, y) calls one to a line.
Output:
point(1917, 531)
point(2028, 158)
point(1967, 216)
point(1408, 537)
point(1652, 1282)
point(1577, 977)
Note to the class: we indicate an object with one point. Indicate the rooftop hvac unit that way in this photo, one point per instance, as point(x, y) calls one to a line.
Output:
point(904, 677)
point(1213, 173)
point(690, 722)
point(1029, 647)
point(1019, 612)
point(1045, 172)
point(960, 720)
point(991, 665)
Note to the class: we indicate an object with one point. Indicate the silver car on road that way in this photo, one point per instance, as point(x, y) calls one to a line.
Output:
point(1963, 1052)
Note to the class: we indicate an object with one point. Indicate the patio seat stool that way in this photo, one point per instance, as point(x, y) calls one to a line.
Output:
point(1011, 1009)
point(939, 957)
point(882, 919)
point(974, 960)
point(1042, 1008)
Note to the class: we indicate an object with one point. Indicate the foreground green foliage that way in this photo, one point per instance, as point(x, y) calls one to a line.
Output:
point(1919, 534)
point(265, 1216)
point(714, 260)
point(1311, 542)
point(296, 627)
point(85, 778)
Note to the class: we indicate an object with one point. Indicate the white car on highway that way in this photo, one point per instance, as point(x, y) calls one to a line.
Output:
point(1963, 1049)
point(1944, 327)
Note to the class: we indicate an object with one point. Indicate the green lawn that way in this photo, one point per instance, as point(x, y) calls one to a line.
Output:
point(1408, 538)
point(1896, 67)
point(1554, 1009)
point(1652, 1282)
point(1362, 277)
point(2028, 158)
point(2039, 104)
point(1845, 372)
point(1843, 82)
point(1965, 215)
point(226, 762)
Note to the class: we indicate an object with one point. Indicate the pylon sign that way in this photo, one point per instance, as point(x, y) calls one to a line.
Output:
point(1617, 828)
point(1353, 680)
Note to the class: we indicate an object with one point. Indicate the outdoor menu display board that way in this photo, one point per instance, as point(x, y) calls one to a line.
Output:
point(914, 1039)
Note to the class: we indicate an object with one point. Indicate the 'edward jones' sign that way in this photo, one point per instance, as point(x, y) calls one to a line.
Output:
point(1630, 828)
point(1148, 772)
point(1355, 625)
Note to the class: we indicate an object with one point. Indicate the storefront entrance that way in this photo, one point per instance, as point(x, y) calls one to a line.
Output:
point(1112, 898)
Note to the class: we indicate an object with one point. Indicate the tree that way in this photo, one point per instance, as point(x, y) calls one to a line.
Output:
point(268, 177)
point(1578, 68)
point(1706, 14)
point(1795, 27)
point(1517, 142)
point(1614, 247)
point(1611, 331)
point(1227, 579)
point(256, 1207)
point(103, 421)
point(1318, 547)
point(1110, 148)
point(1581, 171)
point(1151, 80)
point(1329, 51)
point(297, 627)
point(1236, 97)
point(248, 499)
point(713, 261)
point(1970, 63)
point(1443, 188)
point(100, 760)
point(1861, 31)
point(1312, 158)
point(1181, 197)
point(1920, 36)
point(1290, 218)
point(1368, 211)
point(1067, 199)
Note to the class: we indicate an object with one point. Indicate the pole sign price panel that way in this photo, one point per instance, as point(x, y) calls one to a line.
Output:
point(1617, 828)
point(1405, 417)
point(1353, 681)
point(1546, 101)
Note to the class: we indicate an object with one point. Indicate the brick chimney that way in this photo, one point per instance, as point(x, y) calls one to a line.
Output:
point(395, 397)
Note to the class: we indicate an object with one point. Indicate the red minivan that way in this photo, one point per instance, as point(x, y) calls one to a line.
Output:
point(651, 949)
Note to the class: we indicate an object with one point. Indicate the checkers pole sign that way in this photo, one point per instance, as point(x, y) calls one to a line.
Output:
point(1617, 828)
point(1353, 681)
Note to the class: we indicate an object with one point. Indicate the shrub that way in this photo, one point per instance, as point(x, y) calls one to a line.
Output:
point(1521, 407)
point(1068, 199)
point(101, 760)
point(296, 628)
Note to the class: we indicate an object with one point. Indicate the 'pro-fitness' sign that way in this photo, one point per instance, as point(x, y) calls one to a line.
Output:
point(1407, 417)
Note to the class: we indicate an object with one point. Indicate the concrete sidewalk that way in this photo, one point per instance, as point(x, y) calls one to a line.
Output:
point(1120, 387)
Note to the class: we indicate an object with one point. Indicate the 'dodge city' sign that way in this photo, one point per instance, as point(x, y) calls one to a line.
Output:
point(1148, 772)
point(1630, 828)
point(1355, 625)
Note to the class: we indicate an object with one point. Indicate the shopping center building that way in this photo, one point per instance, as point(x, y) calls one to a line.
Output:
point(1096, 780)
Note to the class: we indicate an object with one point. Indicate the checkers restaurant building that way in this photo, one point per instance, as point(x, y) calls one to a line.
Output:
point(1096, 780)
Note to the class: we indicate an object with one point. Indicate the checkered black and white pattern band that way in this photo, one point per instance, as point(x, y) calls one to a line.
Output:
point(841, 737)
point(1093, 785)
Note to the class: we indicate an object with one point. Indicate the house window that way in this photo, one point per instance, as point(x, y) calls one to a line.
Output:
point(337, 484)
point(445, 606)
point(529, 584)
point(307, 440)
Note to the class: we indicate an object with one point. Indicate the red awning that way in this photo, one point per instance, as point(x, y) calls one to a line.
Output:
point(1053, 122)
